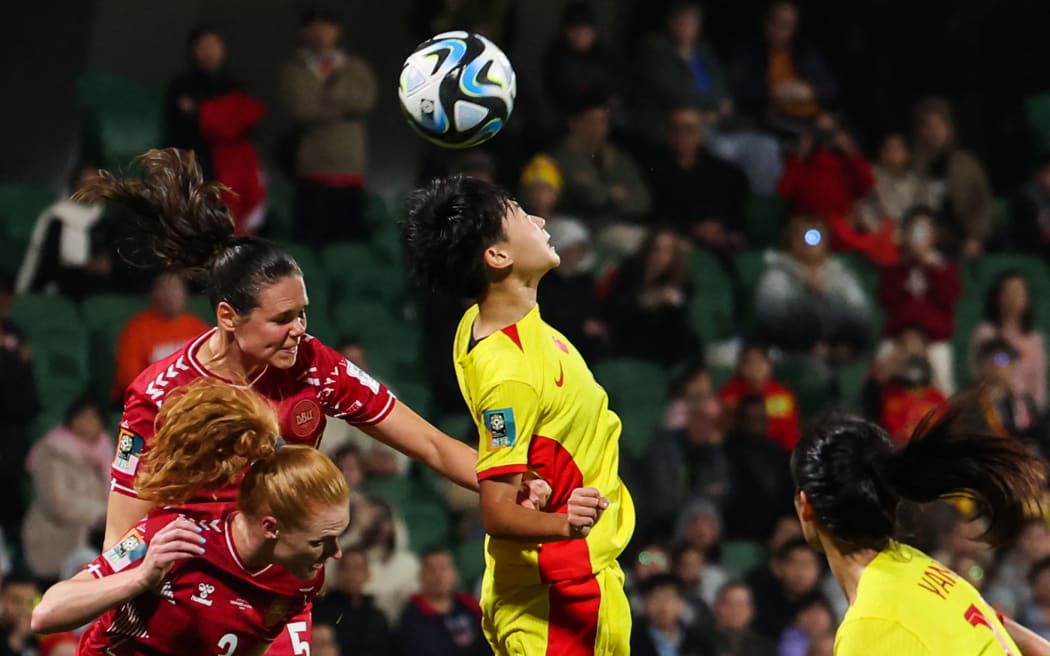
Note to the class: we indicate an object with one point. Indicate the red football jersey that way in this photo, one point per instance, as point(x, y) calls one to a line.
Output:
point(209, 605)
point(321, 382)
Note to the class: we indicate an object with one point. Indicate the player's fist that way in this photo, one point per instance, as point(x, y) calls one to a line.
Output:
point(534, 493)
point(585, 508)
point(177, 541)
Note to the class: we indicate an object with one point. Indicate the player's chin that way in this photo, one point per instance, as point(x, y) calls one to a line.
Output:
point(284, 358)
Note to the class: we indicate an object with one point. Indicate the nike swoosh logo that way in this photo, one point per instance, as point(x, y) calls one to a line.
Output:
point(561, 375)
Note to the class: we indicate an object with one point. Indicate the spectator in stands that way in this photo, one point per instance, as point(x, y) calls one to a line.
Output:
point(809, 302)
point(678, 68)
point(663, 629)
point(540, 186)
point(754, 375)
point(19, 406)
point(578, 62)
point(699, 526)
point(69, 467)
point(646, 303)
point(783, 81)
point(759, 480)
point(440, 621)
point(828, 173)
point(907, 395)
point(1036, 614)
point(700, 579)
point(347, 457)
point(65, 644)
point(1030, 213)
point(922, 291)
point(1009, 314)
point(700, 194)
point(814, 618)
point(957, 181)
point(360, 627)
point(66, 253)
point(780, 590)
point(567, 294)
point(18, 594)
point(156, 332)
point(328, 94)
point(897, 187)
point(323, 641)
point(688, 463)
point(1010, 410)
point(822, 645)
point(207, 111)
point(734, 612)
point(395, 569)
point(1009, 584)
point(650, 557)
point(376, 459)
point(602, 183)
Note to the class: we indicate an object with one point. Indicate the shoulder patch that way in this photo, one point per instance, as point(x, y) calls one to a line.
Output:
point(499, 424)
point(130, 549)
point(129, 446)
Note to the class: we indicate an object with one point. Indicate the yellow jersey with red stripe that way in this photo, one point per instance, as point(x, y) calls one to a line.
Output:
point(908, 604)
point(539, 409)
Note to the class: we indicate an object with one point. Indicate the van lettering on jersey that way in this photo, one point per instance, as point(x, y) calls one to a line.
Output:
point(937, 580)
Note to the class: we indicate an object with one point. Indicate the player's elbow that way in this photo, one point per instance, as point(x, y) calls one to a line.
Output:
point(43, 619)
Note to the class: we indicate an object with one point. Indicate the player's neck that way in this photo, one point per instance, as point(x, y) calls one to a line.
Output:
point(254, 552)
point(505, 302)
point(847, 568)
point(220, 355)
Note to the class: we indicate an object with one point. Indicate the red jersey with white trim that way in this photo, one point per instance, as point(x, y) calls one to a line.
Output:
point(209, 605)
point(320, 383)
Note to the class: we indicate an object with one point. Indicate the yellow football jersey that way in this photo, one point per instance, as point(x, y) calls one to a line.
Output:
point(538, 408)
point(909, 605)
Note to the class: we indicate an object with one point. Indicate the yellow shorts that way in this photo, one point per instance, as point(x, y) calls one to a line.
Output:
point(578, 617)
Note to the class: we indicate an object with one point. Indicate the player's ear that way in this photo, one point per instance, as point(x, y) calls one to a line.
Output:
point(226, 317)
point(270, 527)
point(497, 256)
point(803, 507)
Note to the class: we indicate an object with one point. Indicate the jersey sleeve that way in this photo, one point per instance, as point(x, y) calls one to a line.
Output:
point(348, 392)
point(863, 636)
point(506, 415)
point(136, 432)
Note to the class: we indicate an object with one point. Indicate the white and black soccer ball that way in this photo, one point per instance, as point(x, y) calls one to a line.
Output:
point(457, 89)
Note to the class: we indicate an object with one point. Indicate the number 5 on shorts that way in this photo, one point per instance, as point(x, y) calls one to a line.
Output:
point(297, 631)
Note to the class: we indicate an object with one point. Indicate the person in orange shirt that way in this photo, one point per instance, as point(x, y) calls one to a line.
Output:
point(156, 332)
point(755, 376)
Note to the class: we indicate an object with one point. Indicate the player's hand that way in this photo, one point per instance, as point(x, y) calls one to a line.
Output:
point(534, 493)
point(585, 508)
point(177, 541)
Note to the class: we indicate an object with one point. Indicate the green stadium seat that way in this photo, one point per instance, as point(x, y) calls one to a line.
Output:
point(34, 311)
point(981, 273)
point(470, 562)
point(742, 556)
point(20, 206)
point(1037, 116)
point(313, 273)
point(866, 272)
point(850, 378)
point(105, 316)
point(810, 383)
point(123, 116)
point(382, 333)
point(104, 309)
point(459, 426)
point(428, 522)
point(638, 394)
point(200, 306)
point(395, 490)
point(358, 270)
point(415, 395)
point(279, 217)
point(711, 313)
point(377, 214)
point(765, 217)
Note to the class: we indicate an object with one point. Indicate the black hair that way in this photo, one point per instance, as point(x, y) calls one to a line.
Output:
point(450, 223)
point(659, 582)
point(732, 584)
point(994, 346)
point(18, 576)
point(750, 399)
point(916, 212)
point(7, 282)
point(680, 550)
point(577, 12)
point(349, 341)
point(314, 14)
point(183, 224)
point(816, 598)
point(676, 387)
point(1037, 568)
point(433, 550)
point(348, 449)
point(678, 6)
point(784, 550)
point(753, 345)
point(199, 30)
point(992, 310)
point(856, 480)
point(81, 403)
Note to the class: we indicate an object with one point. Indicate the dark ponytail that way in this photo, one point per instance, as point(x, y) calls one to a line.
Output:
point(856, 479)
point(182, 223)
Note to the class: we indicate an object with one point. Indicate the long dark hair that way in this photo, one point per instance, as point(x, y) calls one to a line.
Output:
point(856, 479)
point(181, 223)
point(993, 305)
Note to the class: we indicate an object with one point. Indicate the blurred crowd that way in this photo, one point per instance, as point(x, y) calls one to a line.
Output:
point(727, 245)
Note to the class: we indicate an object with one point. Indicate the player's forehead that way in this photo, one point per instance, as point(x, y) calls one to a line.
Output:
point(285, 293)
point(329, 521)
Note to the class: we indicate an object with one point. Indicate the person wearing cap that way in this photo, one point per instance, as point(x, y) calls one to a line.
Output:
point(328, 94)
point(540, 186)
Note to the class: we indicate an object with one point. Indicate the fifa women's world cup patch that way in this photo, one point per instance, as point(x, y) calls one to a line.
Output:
point(131, 548)
point(500, 427)
point(129, 446)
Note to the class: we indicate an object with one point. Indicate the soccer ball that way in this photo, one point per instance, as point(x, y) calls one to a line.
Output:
point(457, 89)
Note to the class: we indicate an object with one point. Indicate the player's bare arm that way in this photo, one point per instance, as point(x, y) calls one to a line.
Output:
point(417, 438)
point(503, 517)
point(83, 598)
point(1031, 643)
point(121, 514)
